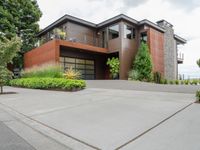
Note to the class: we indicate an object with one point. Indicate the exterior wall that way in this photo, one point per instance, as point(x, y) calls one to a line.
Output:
point(170, 53)
point(100, 59)
point(81, 34)
point(128, 50)
point(156, 46)
point(49, 52)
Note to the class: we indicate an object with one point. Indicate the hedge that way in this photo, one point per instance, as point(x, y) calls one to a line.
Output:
point(48, 83)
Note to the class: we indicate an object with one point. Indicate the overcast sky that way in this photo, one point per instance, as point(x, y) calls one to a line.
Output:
point(183, 14)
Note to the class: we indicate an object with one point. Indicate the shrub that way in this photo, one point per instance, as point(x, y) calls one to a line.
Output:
point(143, 63)
point(165, 81)
point(194, 82)
point(48, 83)
point(113, 64)
point(198, 96)
point(182, 82)
point(176, 82)
point(44, 71)
point(157, 77)
point(133, 75)
point(171, 82)
point(186, 82)
point(72, 74)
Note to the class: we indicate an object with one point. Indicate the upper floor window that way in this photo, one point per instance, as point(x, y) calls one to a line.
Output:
point(143, 37)
point(113, 32)
point(129, 32)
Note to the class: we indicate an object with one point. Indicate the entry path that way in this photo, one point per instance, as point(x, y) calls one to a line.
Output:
point(108, 119)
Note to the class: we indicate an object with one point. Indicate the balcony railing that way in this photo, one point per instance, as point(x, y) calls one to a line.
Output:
point(84, 39)
point(180, 58)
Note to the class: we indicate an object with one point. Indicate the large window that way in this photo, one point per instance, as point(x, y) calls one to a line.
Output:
point(113, 32)
point(143, 37)
point(84, 66)
point(129, 32)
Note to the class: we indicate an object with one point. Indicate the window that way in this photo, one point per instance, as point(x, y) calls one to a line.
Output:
point(129, 32)
point(84, 66)
point(143, 37)
point(113, 32)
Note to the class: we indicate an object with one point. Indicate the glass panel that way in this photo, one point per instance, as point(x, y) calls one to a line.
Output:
point(78, 66)
point(68, 65)
point(113, 32)
point(80, 61)
point(68, 59)
point(89, 72)
point(81, 71)
point(129, 32)
point(143, 37)
point(89, 77)
point(62, 59)
point(89, 66)
point(90, 62)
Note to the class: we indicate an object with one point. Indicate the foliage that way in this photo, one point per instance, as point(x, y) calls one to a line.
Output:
point(165, 81)
point(143, 63)
point(50, 70)
point(176, 82)
point(8, 50)
point(171, 82)
point(157, 77)
point(60, 34)
point(72, 74)
point(19, 18)
point(198, 62)
point(48, 83)
point(186, 82)
point(133, 75)
point(198, 96)
point(113, 64)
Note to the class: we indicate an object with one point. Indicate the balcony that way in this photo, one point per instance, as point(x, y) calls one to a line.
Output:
point(180, 58)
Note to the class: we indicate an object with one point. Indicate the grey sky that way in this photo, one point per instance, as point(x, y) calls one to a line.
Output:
point(183, 14)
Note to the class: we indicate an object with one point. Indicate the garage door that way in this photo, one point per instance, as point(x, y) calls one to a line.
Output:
point(84, 66)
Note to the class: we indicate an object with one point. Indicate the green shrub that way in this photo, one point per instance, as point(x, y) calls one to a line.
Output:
point(43, 71)
point(186, 82)
point(182, 82)
point(72, 74)
point(157, 77)
point(133, 75)
point(48, 83)
point(143, 63)
point(194, 82)
point(198, 96)
point(171, 82)
point(114, 65)
point(176, 82)
point(165, 81)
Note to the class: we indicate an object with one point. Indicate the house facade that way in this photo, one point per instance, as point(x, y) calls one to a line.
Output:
point(86, 46)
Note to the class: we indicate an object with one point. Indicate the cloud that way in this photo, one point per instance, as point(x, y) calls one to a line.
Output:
point(184, 4)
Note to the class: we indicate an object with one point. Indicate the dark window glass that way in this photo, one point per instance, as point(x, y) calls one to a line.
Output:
point(143, 37)
point(129, 32)
point(70, 60)
point(113, 32)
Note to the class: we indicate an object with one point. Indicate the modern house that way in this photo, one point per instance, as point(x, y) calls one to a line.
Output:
point(86, 46)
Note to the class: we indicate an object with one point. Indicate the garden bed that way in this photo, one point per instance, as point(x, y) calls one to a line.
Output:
point(59, 84)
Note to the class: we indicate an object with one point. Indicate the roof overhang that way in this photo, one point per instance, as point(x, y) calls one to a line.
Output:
point(179, 39)
point(147, 22)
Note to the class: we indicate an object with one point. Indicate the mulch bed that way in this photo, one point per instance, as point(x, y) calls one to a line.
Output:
point(4, 93)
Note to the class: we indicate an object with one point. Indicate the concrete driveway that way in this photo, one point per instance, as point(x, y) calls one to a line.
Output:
point(108, 119)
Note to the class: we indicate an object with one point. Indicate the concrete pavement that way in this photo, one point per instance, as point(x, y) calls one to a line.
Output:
point(107, 119)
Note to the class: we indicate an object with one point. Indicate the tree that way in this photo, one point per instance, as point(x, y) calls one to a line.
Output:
point(113, 64)
point(8, 50)
point(142, 64)
point(198, 62)
point(19, 18)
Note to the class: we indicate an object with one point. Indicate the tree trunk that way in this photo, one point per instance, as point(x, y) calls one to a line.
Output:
point(1, 89)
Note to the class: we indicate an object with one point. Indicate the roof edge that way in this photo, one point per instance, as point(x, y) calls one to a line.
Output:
point(180, 39)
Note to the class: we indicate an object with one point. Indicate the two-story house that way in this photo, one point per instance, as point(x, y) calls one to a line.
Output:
point(86, 46)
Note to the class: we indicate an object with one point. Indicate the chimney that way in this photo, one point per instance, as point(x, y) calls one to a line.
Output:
point(164, 24)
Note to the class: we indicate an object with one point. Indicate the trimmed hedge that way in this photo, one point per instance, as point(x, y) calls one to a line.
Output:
point(49, 83)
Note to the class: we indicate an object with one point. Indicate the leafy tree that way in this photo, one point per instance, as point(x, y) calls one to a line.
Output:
point(19, 18)
point(198, 62)
point(8, 50)
point(143, 63)
point(113, 64)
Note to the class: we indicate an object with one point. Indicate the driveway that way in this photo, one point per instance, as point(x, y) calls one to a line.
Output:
point(109, 118)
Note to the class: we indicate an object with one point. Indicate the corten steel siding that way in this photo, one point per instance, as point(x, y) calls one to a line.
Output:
point(99, 59)
point(48, 52)
point(156, 46)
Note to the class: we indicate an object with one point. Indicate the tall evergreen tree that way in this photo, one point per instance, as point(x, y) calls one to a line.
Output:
point(20, 18)
point(198, 62)
point(143, 64)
